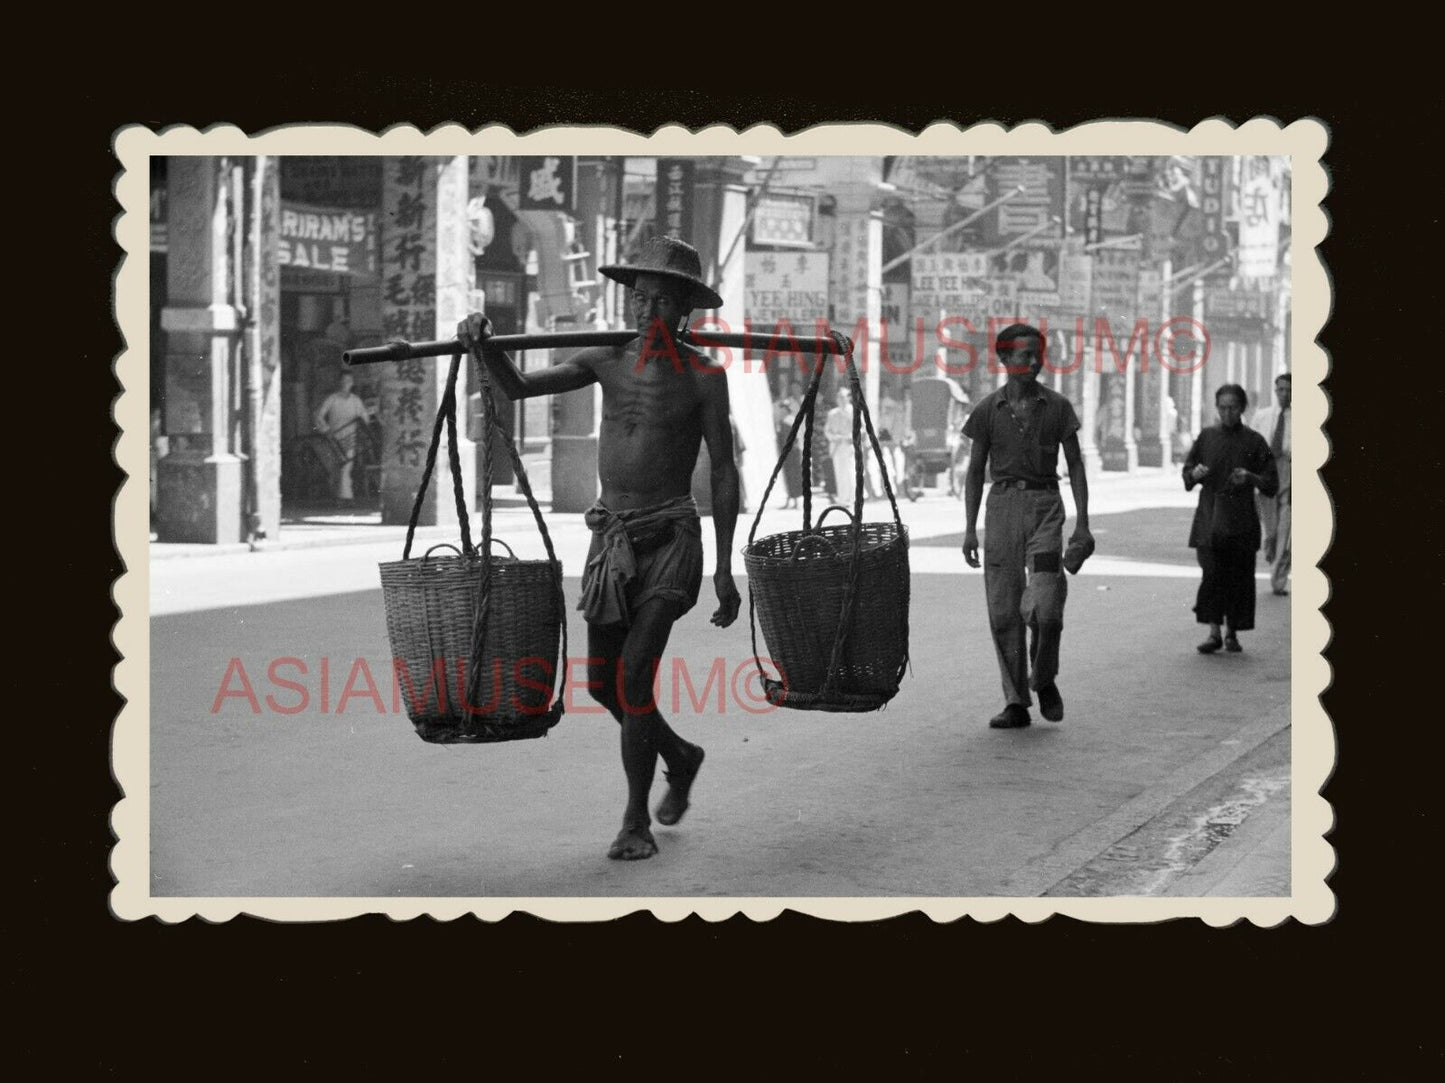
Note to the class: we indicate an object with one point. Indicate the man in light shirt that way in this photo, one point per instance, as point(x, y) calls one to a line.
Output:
point(1275, 423)
point(340, 415)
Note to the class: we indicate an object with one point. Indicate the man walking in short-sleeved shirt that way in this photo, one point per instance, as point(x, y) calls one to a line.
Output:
point(1017, 432)
point(1275, 424)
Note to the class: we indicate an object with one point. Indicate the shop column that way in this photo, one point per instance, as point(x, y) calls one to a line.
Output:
point(199, 481)
point(1152, 374)
point(424, 257)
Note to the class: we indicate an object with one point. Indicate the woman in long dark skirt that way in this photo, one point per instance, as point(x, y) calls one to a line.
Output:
point(786, 411)
point(1228, 462)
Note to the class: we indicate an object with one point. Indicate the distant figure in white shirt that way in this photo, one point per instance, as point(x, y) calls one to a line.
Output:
point(339, 416)
point(1275, 424)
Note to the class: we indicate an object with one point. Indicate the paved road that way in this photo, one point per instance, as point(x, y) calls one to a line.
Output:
point(919, 800)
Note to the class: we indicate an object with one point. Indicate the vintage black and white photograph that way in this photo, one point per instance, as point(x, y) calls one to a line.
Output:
point(854, 521)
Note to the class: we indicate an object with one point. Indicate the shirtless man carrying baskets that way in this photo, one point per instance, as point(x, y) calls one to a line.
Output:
point(660, 400)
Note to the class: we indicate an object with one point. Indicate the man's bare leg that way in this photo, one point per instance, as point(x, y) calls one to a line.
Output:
point(630, 657)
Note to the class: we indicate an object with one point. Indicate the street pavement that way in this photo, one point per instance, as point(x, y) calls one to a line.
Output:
point(1165, 778)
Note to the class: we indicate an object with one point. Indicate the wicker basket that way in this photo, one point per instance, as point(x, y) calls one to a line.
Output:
point(431, 605)
point(478, 642)
point(799, 582)
point(832, 600)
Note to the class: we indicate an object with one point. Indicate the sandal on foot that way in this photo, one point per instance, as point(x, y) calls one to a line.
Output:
point(679, 788)
point(1011, 717)
point(1210, 645)
point(1231, 644)
point(632, 844)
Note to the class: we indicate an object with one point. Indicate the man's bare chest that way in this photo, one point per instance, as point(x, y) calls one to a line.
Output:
point(651, 394)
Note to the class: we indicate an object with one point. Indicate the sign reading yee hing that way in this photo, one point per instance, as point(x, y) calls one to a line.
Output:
point(332, 239)
point(791, 286)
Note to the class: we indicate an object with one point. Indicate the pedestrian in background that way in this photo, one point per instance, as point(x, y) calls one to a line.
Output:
point(785, 411)
point(839, 430)
point(1229, 462)
point(1017, 432)
point(340, 415)
point(1275, 423)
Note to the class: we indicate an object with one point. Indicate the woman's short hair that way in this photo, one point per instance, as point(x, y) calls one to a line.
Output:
point(1233, 389)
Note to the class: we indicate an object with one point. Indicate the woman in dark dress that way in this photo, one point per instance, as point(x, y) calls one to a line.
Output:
point(1228, 462)
point(786, 411)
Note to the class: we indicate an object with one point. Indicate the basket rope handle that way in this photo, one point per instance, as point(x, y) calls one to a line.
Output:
point(802, 420)
point(446, 417)
point(479, 623)
point(862, 421)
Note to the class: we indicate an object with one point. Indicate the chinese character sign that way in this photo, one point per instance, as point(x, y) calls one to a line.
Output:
point(408, 268)
point(674, 197)
point(547, 183)
point(790, 286)
point(1260, 199)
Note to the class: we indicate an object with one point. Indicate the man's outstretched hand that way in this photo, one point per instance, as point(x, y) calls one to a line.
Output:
point(729, 600)
point(472, 330)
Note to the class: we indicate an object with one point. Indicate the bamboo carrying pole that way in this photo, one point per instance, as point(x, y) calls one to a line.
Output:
point(561, 340)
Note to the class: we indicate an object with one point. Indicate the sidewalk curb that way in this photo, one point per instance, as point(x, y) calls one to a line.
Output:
point(1040, 874)
point(1237, 858)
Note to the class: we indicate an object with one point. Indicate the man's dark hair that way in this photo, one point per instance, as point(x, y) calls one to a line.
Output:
point(1016, 331)
point(1285, 377)
point(1232, 389)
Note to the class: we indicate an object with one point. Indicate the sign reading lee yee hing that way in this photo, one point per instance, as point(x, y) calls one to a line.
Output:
point(327, 239)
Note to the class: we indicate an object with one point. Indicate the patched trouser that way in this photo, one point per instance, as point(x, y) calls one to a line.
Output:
point(1024, 581)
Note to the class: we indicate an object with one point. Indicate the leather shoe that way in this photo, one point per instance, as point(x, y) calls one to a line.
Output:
point(1051, 704)
point(1011, 717)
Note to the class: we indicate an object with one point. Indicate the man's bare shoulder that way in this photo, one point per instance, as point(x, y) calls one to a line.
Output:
point(711, 376)
point(595, 358)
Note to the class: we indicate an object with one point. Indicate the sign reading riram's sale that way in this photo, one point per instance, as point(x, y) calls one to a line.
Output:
point(330, 239)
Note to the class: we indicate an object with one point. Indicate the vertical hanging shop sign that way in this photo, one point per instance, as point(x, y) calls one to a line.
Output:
point(547, 183)
point(408, 267)
point(1213, 205)
point(674, 197)
point(1259, 217)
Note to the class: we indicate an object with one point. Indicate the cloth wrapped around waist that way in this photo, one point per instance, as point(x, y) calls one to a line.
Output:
point(624, 535)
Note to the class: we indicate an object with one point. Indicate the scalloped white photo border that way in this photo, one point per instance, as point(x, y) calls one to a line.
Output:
point(1312, 736)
